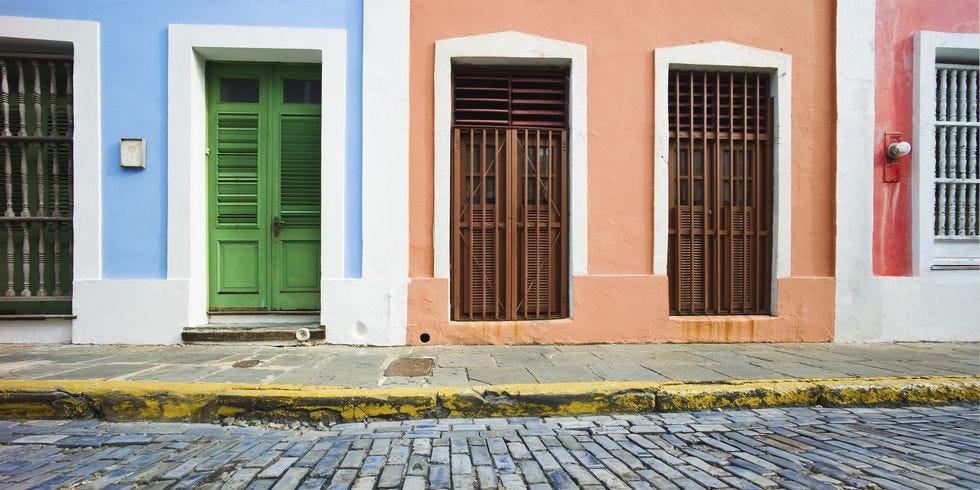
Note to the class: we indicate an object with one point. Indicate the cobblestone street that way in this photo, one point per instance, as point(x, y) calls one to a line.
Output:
point(789, 447)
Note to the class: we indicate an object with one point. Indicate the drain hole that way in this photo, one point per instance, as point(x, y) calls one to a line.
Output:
point(246, 363)
point(424, 338)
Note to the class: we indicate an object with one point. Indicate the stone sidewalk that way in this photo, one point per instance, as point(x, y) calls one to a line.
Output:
point(341, 383)
point(473, 366)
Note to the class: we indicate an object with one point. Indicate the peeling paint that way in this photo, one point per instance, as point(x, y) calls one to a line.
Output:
point(206, 402)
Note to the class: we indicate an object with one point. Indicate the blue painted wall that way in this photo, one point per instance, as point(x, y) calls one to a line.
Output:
point(134, 105)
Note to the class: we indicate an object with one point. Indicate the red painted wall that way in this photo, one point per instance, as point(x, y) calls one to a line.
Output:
point(896, 22)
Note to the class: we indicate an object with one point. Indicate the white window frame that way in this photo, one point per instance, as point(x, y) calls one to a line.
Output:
point(928, 251)
point(87, 135)
point(726, 56)
point(86, 166)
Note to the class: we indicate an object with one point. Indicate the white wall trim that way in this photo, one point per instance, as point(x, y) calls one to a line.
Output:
point(190, 47)
point(726, 56)
point(374, 309)
point(858, 300)
point(138, 311)
point(929, 45)
point(511, 48)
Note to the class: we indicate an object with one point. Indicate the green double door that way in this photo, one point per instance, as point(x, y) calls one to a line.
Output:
point(263, 186)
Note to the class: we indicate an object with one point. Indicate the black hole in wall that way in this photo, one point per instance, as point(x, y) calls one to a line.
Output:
point(424, 338)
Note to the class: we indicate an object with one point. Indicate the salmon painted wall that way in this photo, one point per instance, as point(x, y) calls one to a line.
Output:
point(620, 299)
point(896, 22)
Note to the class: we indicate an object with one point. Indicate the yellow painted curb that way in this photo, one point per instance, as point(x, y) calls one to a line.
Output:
point(149, 400)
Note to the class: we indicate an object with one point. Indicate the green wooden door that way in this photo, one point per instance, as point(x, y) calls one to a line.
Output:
point(264, 187)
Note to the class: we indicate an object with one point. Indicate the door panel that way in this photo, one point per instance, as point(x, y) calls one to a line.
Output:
point(236, 185)
point(264, 186)
point(296, 250)
point(238, 266)
point(300, 271)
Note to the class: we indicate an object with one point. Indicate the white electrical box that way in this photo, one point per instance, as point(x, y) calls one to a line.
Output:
point(132, 153)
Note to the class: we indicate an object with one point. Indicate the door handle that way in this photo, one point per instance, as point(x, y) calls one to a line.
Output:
point(276, 226)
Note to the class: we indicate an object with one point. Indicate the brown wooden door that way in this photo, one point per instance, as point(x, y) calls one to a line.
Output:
point(510, 246)
point(720, 162)
point(509, 194)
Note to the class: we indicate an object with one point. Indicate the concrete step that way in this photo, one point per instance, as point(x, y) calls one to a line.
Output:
point(277, 333)
point(239, 317)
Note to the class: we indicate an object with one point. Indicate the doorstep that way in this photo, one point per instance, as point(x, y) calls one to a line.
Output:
point(255, 332)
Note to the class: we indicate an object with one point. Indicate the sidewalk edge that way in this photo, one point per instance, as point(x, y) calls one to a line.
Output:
point(208, 402)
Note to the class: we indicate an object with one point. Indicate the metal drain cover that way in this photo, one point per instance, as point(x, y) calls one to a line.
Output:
point(246, 363)
point(410, 366)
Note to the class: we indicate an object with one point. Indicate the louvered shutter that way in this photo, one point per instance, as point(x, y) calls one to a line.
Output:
point(300, 170)
point(237, 169)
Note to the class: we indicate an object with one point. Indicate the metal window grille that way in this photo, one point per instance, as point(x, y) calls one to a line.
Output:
point(509, 196)
point(36, 175)
point(956, 178)
point(720, 162)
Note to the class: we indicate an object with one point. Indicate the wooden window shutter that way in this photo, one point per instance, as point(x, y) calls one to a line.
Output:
point(509, 194)
point(720, 163)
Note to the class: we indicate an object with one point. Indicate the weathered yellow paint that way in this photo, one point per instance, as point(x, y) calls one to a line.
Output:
point(147, 400)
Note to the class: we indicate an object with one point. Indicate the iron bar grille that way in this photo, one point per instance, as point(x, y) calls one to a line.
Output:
point(510, 246)
point(36, 192)
point(720, 162)
point(956, 179)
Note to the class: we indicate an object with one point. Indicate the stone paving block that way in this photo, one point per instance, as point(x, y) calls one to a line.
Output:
point(175, 373)
point(439, 476)
point(463, 482)
point(562, 374)
point(621, 470)
point(461, 464)
point(514, 359)
point(745, 371)
point(414, 483)
point(499, 375)
point(466, 360)
point(184, 468)
point(687, 373)
point(607, 478)
point(480, 455)
point(264, 459)
point(391, 476)
point(627, 458)
point(82, 441)
point(330, 460)
point(532, 472)
point(39, 439)
point(399, 454)
point(440, 455)
point(418, 464)
point(100, 371)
